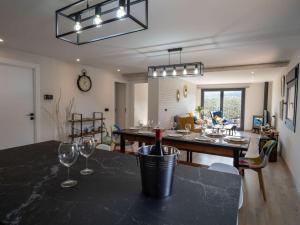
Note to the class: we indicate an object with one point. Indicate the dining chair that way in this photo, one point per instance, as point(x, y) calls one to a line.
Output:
point(221, 167)
point(258, 163)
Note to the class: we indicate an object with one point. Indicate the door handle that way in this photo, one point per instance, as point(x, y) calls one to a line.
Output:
point(31, 115)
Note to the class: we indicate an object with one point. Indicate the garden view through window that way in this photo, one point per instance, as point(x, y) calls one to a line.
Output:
point(229, 102)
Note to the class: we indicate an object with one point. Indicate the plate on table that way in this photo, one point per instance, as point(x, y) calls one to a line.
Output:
point(236, 139)
point(182, 131)
point(145, 132)
point(134, 128)
point(175, 135)
point(205, 139)
point(214, 135)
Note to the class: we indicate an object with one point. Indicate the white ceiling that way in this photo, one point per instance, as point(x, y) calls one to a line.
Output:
point(218, 33)
point(238, 76)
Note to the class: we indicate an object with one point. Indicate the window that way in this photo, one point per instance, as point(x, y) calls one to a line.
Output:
point(231, 102)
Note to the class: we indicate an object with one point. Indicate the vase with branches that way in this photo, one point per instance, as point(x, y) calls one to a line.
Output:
point(61, 120)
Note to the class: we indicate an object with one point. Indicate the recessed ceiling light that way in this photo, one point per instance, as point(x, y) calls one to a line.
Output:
point(252, 72)
point(118, 70)
point(78, 60)
point(1, 40)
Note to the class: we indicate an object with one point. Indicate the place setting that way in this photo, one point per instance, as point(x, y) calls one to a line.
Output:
point(203, 138)
point(236, 140)
point(175, 135)
point(216, 134)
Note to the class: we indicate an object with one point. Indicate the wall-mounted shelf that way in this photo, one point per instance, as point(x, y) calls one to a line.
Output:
point(78, 118)
point(92, 133)
point(86, 120)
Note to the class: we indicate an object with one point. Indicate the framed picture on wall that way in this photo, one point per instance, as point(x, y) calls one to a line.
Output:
point(291, 98)
point(281, 109)
point(282, 86)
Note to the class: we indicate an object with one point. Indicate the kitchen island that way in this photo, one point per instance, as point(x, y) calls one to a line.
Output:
point(30, 192)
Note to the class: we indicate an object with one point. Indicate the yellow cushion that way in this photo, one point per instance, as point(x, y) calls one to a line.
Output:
point(218, 119)
point(184, 120)
point(191, 114)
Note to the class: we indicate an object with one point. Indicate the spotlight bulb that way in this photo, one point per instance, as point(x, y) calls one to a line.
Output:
point(184, 71)
point(164, 73)
point(77, 26)
point(174, 72)
point(154, 73)
point(121, 12)
point(97, 20)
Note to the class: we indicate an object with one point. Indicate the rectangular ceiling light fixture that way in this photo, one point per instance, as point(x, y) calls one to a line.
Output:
point(86, 21)
point(176, 70)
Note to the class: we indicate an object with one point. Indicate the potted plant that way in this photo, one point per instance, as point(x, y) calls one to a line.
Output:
point(200, 110)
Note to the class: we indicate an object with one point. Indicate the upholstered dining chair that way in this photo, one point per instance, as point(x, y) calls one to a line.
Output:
point(258, 163)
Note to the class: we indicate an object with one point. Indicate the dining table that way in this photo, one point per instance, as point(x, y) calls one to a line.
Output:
point(190, 142)
point(30, 192)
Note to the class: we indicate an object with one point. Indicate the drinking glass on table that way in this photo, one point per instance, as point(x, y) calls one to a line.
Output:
point(188, 127)
point(140, 123)
point(67, 155)
point(222, 130)
point(86, 148)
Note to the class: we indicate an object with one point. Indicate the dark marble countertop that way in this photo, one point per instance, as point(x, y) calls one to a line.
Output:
point(30, 192)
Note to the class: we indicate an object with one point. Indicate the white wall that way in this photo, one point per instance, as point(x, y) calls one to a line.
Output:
point(140, 103)
point(290, 141)
point(254, 103)
point(254, 99)
point(133, 79)
point(163, 105)
point(153, 99)
point(57, 75)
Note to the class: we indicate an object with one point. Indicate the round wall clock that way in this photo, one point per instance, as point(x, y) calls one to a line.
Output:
point(84, 82)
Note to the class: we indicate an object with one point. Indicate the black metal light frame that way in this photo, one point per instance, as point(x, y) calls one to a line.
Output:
point(75, 16)
point(190, 67)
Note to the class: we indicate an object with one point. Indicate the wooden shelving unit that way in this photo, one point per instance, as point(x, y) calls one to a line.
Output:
point(77, 118)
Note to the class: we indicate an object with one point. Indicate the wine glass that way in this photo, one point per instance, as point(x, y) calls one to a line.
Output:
point(86, 148)
point(222, 130)
point(174, 125)
point(151, 124)
point(140, 123)
point(68, 154)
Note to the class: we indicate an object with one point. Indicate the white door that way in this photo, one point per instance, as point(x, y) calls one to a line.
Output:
point(16, 105)
point(120, 104)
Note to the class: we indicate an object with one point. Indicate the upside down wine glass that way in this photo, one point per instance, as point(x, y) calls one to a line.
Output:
point(68, 154)
point(86, 147)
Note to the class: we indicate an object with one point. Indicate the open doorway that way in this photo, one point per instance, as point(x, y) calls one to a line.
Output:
point(120, 104)
point(140, 103)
